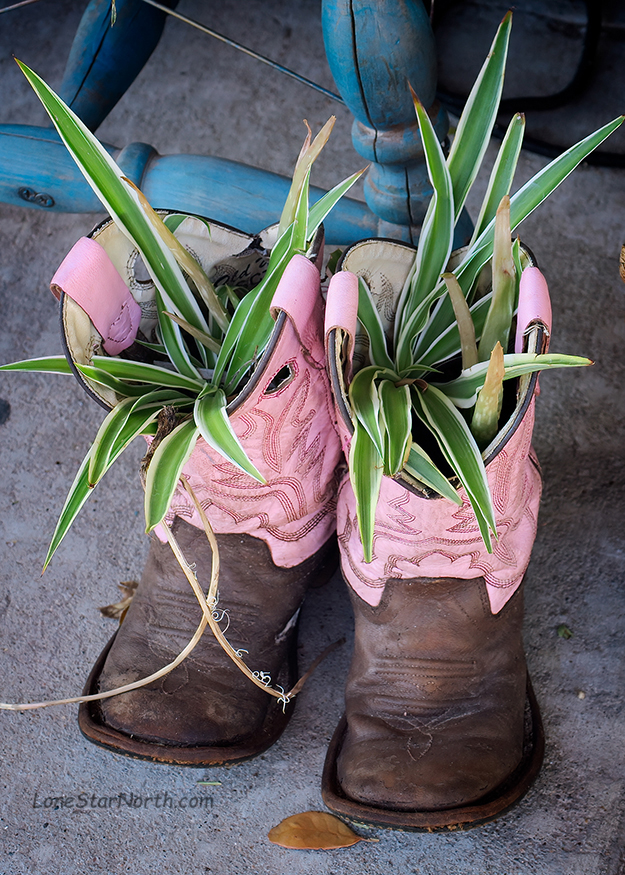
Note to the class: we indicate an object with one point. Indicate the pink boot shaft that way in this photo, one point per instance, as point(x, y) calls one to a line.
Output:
point(288, 432)
point(420, 537)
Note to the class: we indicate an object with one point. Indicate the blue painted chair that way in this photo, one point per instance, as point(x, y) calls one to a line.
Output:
point(373, 51)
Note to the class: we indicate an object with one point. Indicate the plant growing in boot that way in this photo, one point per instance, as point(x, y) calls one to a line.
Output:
point(435, 389)
point(218, 358)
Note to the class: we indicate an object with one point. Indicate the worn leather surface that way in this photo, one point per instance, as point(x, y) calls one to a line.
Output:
point(206, 701)
point(435, 696)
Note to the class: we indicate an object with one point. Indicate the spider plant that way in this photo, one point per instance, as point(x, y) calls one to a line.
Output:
point(209, 356)
point(400, 397)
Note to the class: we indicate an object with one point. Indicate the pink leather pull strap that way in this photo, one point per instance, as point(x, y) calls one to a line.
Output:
point(342, 306)
point(534, 304)
point(298, 296)
point(89, 277)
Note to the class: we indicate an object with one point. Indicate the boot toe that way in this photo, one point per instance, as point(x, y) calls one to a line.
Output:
point(417, 775)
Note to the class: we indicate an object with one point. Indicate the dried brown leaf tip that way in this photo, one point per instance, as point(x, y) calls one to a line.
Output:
point(314, 831)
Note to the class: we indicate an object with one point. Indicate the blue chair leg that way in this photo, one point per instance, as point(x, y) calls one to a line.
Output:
point(373, 51)
point(105, 59)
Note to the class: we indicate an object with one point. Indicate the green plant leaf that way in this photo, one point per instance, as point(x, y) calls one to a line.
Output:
point(478, 118)
point(105, 441)
point(54, 364)
point(529, 197)
point(300, 235)
point(502, 174)
point(123, 204)
point(396, 419)
point(80, 489)
point(371, 322)
point(191, 267)
point(440, 348)
point(205, 339)
point(461, 452)
point(164, 471)
point(365, 473)
point(124, 369)
point(435, 244)
point(422, 468)
point(252, 324)
point(499, 319)
point(365, 402)
point(326, 203)
point(214, 425)
point(522, 204)
point(124, 390)
point(463, 390)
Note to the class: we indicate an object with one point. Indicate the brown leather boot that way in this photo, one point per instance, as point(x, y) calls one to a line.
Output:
point(275, 538)
point(441, 728)
point(435, 732)
point(205, 711)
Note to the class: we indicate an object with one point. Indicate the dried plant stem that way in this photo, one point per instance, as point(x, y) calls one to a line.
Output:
point(466, 328)
point(499, 319)
point(209, 618)
point(209, 603)
point(94, 697)
point(485, 422)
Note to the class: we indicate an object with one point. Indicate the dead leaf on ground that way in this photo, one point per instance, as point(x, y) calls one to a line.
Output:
point(118, 610)
point(314, 831)
point(622, 263)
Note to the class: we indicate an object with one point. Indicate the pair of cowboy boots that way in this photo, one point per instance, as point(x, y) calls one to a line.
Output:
point(441, 726)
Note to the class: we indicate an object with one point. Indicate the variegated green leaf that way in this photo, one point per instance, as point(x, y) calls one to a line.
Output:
point(124, 369)
point(435, 243)
point(463, 390)
point(460, 450)
point(524, 202)
point(252, 324)
point(80, 489)
point(119, 199)
point(422, 468)
point(371, 322)
point(502, 174)
point(365, 473)
point(365, 402)
point(54, 364)
point(326, 203)
point(478, 118)
point(396, 420)
point(164, 471)
point(108, 434)
point(214, 425)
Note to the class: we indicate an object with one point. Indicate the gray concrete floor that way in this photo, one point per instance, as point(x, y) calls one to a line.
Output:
point(197, 96)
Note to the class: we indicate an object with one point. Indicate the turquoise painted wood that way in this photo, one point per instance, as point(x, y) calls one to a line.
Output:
point(36, 170)
point(374, 50)
point(104, 61)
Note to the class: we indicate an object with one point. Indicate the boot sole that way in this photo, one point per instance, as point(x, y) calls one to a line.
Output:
point(495, 803)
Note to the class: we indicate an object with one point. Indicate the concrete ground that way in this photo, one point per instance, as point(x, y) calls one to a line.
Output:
point(199, 96)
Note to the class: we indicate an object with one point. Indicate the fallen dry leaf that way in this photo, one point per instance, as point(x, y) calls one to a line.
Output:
point(314, 831)
point(118, 610)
